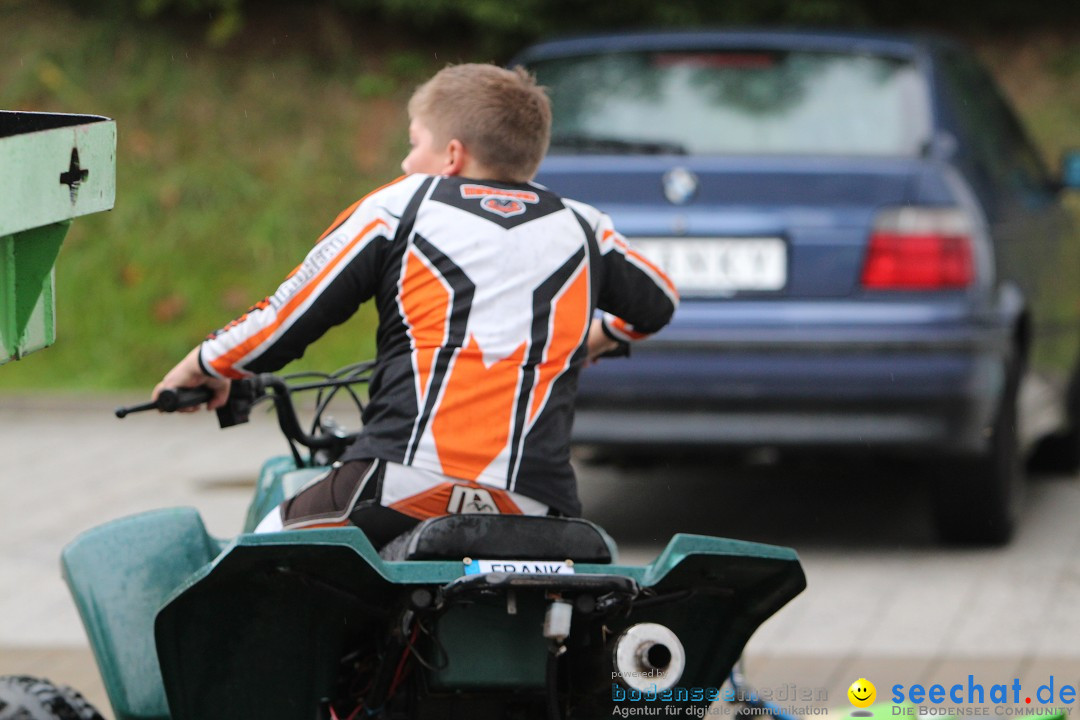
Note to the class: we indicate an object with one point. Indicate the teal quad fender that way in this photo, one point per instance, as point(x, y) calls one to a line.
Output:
point(120, 574)
point(188, 627)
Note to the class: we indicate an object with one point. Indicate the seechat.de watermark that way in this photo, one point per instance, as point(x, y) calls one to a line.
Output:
point(972, 698)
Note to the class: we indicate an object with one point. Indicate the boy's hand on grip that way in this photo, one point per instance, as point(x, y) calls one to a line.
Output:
point(186, 374)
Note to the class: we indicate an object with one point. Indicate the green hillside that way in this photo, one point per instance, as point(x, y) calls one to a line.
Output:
point(235, 155)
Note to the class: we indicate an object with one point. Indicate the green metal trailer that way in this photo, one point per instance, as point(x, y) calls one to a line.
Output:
point(53, 168)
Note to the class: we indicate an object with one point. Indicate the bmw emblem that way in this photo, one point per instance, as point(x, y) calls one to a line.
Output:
point(680, 185)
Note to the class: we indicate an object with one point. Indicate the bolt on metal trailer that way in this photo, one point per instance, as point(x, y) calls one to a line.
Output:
point(53, 168)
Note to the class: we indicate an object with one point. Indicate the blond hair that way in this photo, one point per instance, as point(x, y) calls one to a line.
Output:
point(502, 117)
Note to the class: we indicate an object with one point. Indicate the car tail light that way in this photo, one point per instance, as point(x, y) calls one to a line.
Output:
point(919, 249)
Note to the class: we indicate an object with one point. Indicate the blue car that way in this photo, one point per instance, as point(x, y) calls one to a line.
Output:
point(870, 253)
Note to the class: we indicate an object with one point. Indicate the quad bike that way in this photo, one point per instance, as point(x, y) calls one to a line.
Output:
point(470, 616)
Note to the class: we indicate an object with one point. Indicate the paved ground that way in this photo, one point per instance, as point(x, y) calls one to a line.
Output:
point(884, 602)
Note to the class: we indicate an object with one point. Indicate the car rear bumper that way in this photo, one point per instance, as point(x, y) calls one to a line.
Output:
point(953, 429)
point(874, 387)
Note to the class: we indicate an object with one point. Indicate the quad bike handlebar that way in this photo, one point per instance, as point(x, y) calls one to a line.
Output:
point(326, 440)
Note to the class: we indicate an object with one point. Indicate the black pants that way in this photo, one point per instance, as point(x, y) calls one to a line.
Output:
point(347, 495)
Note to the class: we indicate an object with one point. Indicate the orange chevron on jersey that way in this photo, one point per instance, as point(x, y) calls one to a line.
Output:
point(472, 423)
point(569, 323)
point(425, 305)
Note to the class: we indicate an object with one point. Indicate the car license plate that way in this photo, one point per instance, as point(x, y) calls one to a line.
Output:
point(719, 266)
point(525, 567)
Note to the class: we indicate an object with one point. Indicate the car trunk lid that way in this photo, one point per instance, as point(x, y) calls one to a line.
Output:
point(821, 211)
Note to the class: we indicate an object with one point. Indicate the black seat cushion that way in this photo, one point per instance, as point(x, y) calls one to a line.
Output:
point(501, 537)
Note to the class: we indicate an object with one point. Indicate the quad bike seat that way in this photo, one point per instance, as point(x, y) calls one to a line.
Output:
point(502, 537)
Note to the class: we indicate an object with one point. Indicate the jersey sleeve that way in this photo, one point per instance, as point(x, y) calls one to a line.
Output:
point(637, 297)
point(340, 273)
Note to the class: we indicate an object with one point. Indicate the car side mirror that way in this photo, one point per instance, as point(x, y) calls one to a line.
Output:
point(1070, 170)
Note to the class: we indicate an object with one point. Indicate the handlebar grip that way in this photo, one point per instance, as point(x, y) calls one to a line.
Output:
point(173, 399)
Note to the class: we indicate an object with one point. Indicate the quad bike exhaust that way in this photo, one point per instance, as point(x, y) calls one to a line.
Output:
point(648, 657)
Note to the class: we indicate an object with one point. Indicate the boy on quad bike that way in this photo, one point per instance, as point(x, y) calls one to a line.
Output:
point(486, 286)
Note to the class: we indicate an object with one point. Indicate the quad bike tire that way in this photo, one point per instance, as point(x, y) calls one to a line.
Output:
point(29, 698)
point(978, 499)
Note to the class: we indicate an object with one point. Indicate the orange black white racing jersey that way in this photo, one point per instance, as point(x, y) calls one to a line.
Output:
point(485, 292)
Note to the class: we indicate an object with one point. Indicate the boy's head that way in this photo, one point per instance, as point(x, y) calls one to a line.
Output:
point(501, 118)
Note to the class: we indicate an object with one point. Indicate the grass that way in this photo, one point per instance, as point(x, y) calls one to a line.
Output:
point(233, 158)
point(231, 162)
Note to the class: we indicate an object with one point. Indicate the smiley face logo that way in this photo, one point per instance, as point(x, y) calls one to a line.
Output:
point(862, 693)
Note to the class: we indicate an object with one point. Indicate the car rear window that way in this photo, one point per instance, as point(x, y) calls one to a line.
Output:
point(736, 101)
